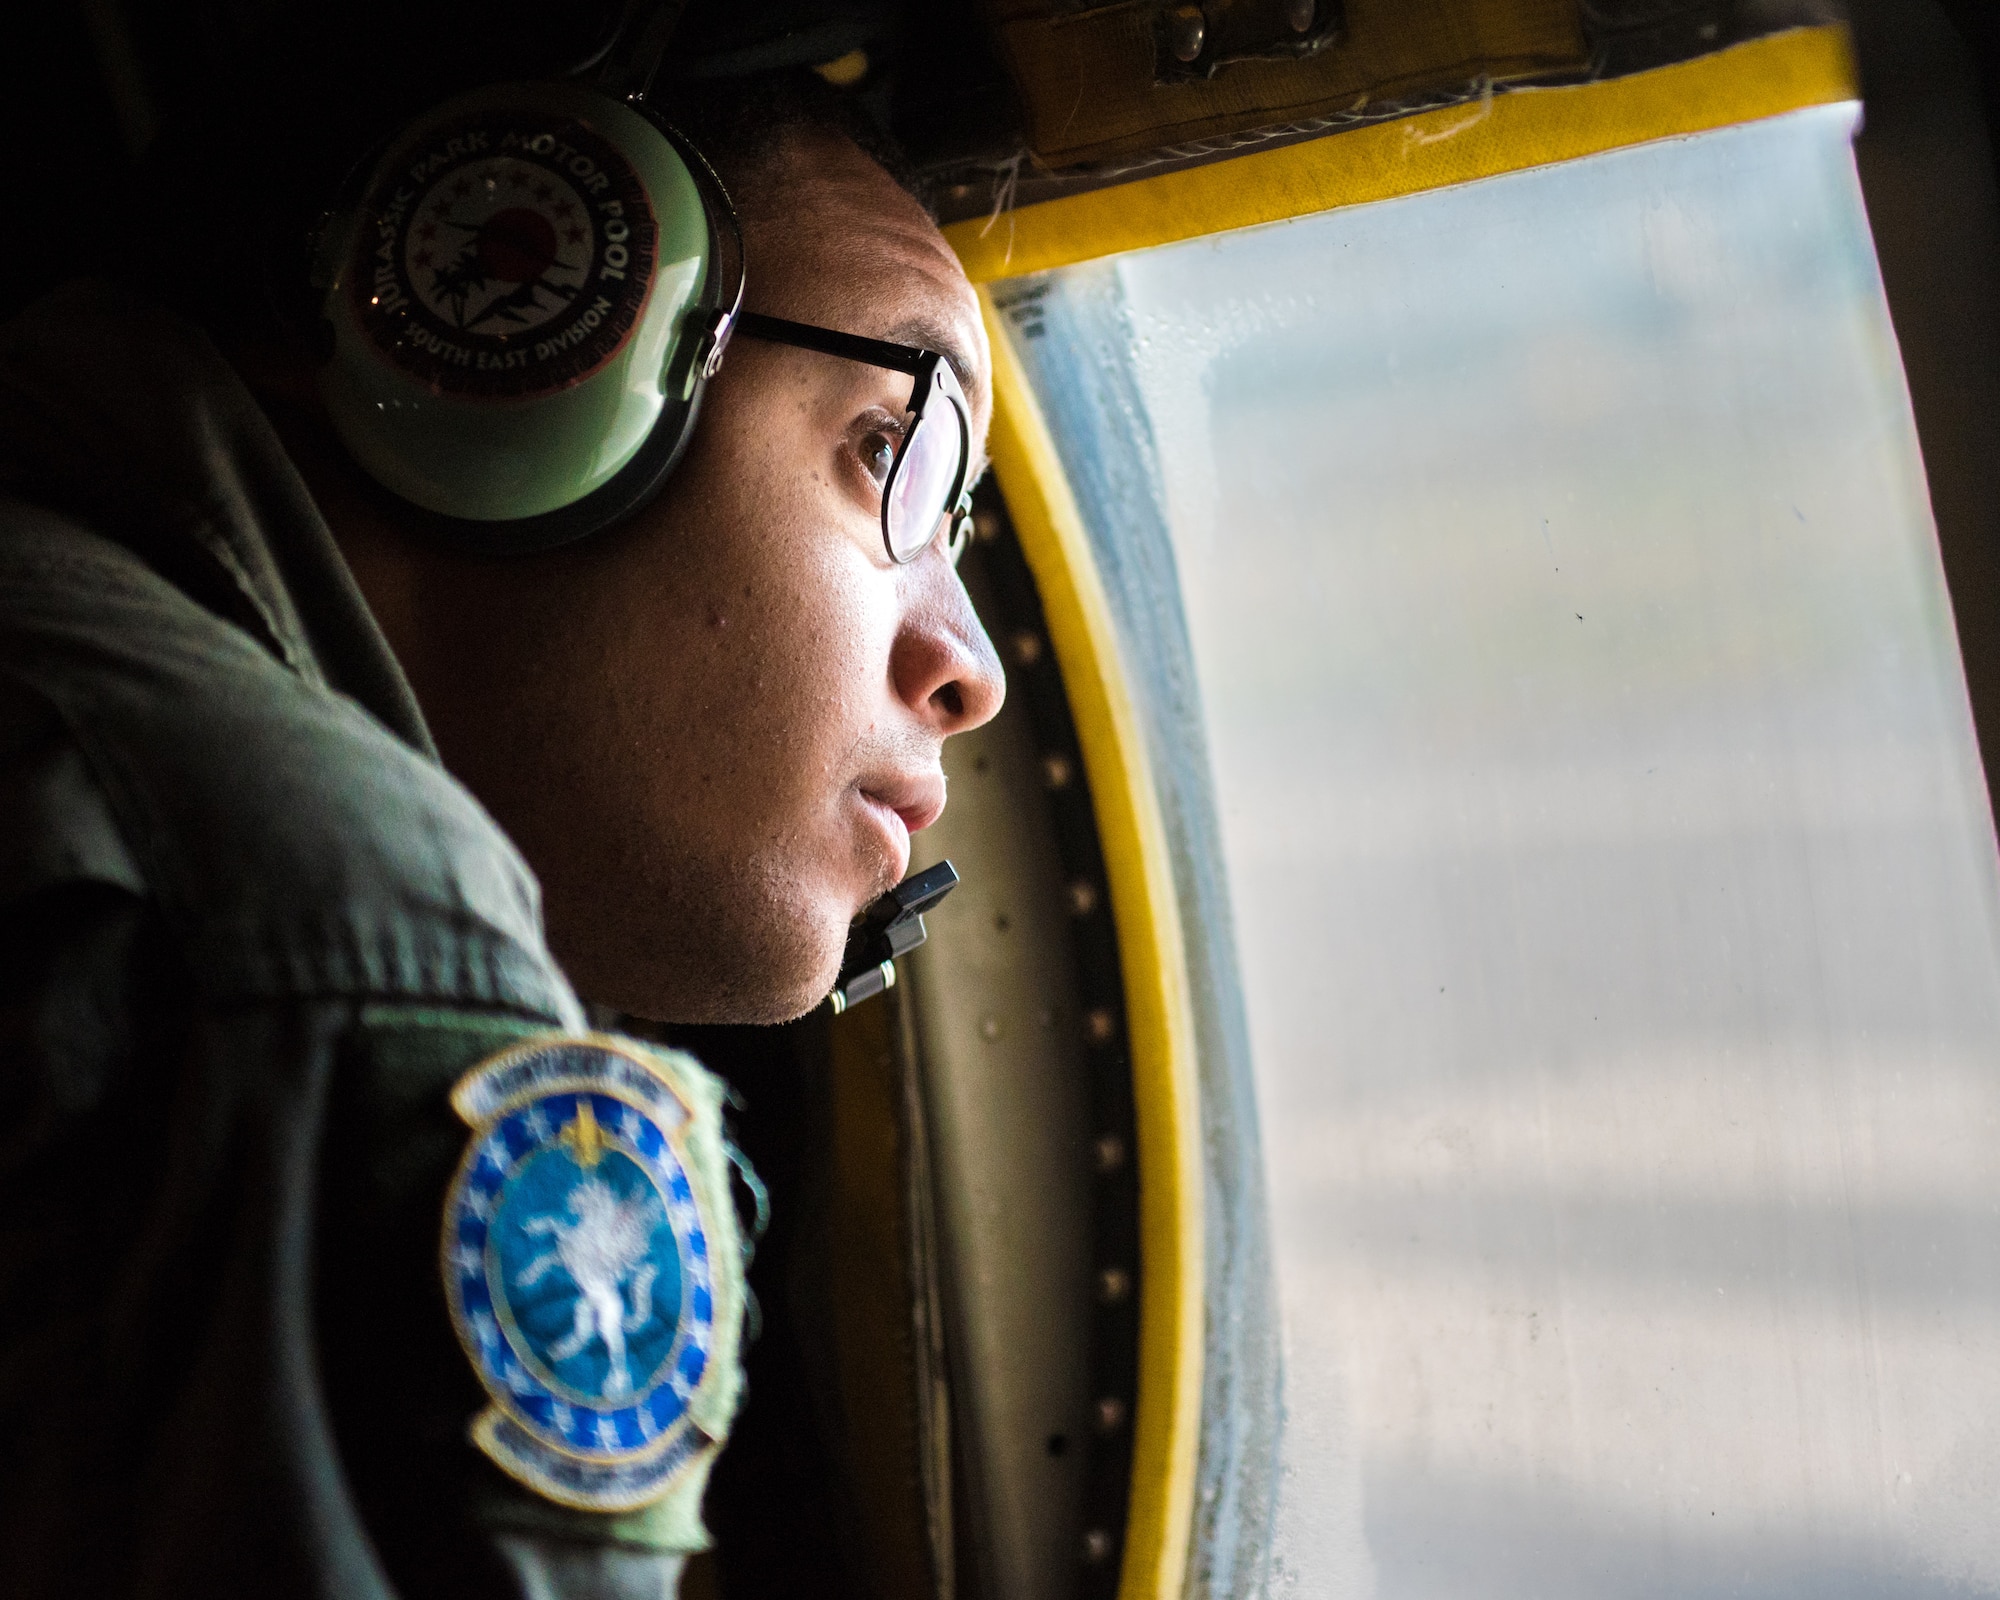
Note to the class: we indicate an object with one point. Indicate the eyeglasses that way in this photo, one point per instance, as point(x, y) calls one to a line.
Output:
point(926, 489)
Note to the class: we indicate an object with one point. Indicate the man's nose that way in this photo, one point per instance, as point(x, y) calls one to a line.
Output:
point(943, 666)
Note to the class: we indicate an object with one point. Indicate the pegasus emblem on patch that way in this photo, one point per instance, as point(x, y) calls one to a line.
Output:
point(576, 1267)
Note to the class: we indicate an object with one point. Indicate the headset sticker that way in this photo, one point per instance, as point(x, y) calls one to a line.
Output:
point(504, 256)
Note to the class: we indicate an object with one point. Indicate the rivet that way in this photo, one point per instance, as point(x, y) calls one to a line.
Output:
point(1082, 897)
point(1057, 771)
point(1110, 1152)
point(1114, 1285)
point(1027, 647)
point(989, 1028)
point(1110, 1414)
point(1097, 1547)
point(1301, 14)
point(1187, 32)
point(1099, 1025)
point(986, 524)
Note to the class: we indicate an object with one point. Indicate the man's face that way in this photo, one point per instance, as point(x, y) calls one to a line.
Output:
point(713, 730)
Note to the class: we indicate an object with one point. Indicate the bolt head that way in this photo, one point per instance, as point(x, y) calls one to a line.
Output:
point(1187, 32)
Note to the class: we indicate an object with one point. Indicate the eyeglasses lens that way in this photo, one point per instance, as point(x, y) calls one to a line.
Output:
point(926, 481)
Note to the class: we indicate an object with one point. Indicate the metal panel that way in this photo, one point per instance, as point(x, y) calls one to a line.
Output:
point(1000, 1035)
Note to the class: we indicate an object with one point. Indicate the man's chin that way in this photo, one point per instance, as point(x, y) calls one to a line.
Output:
point(765, 1005)
point(744, 983)
point(744, 945)
point(741, 1004)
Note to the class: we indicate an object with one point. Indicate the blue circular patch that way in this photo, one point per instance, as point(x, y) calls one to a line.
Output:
point(578, 1272)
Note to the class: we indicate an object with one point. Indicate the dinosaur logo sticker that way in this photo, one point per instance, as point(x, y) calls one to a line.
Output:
point(576, 1264)
point(504, 255)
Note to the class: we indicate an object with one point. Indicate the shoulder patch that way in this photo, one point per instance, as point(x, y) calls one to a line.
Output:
point(576, 1255)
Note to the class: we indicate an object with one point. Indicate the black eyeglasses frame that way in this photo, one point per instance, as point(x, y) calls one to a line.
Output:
point(933, 376)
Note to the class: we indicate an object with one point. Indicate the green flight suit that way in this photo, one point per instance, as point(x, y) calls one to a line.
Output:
point(251, 933)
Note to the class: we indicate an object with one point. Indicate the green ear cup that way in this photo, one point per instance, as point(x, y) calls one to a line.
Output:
point(523, 304)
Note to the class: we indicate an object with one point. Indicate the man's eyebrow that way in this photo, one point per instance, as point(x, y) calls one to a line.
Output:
point(928, 335)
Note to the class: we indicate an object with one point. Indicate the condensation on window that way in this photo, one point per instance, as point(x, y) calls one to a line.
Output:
point(1540, 579)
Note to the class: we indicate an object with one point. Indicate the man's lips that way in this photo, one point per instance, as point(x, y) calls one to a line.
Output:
point(903, 803)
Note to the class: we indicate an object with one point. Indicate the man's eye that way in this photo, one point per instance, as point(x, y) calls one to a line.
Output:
point(878, 453)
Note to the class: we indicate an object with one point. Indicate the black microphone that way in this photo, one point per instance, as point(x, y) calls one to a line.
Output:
point(892, 926)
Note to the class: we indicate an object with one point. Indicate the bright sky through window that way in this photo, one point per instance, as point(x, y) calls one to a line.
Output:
point(1613, 883)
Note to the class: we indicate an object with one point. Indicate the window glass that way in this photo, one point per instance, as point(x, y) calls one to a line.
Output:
point(1540, 578)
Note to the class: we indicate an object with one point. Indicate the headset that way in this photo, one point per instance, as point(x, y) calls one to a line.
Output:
point(528, 291)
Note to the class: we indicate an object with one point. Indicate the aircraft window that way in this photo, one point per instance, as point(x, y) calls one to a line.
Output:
point(1549, 571)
